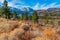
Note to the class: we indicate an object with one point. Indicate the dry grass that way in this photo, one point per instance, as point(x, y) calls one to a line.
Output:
point(13, 30)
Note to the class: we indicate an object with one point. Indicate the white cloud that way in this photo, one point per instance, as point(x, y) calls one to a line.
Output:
point(1, 1)
point(36, 6)
point(52, 5)
point(44, 6)
point(19, 3)
point(11, 4)
point(15, 3)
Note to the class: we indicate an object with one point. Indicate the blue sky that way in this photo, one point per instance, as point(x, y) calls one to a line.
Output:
point(35, 4)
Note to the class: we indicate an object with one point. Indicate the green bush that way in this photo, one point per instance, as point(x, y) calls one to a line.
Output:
point(15, 26)
point(58, 22)
point(46, 22)
point(35, 16)
point(43, 17)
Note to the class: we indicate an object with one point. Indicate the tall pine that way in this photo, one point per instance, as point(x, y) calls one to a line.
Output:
point(24, 16)
point(5, 12)
point(15, 15)
point(35, 17)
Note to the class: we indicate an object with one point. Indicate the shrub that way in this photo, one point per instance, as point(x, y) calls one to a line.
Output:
point(16, 26)
point(46, 21)
point(26, 28)
point(58, 22)
point(35, 17)
point(58, 32)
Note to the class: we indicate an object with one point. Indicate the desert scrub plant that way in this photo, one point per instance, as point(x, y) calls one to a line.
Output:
point(7, 27)
point(16, 26)
point(49, 33)
point(16, 34)
point(42, 17)
point(26, 28)
point(51, 22)
point(47, 20)
point(58, 32)
point(58, 22)
point(4, 36)
point(4, 27)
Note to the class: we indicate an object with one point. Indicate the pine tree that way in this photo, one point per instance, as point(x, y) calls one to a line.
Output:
point(5, 12)
point(24, 16)
point(29, 17)
point(15, 15)
point(35, 17)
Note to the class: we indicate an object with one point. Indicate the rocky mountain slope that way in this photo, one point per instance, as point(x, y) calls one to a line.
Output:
point(53, 11)
point(22, 10)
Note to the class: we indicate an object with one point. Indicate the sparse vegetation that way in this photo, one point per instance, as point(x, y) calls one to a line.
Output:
point(5, 10)
point(24, 27)
point(47, 20)
point(35, 17)
point(24, 16)
point(58, 22)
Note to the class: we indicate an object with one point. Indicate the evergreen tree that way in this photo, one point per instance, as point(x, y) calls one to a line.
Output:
point(5, 12)
point(35, 17)
point(24, 16)
point(15, 15)
point(29, 17)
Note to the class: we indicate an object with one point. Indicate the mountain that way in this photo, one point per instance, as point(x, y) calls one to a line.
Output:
point(21, 10)
point(27, 9)
point(53, 9)
point(18, 11)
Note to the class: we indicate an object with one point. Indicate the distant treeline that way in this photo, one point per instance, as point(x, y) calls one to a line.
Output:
point(6, 13)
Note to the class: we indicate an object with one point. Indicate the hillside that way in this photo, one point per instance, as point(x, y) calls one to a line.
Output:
point(13, 30)
point(49, 11)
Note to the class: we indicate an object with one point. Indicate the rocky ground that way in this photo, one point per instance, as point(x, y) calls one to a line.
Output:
point(14, 30)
